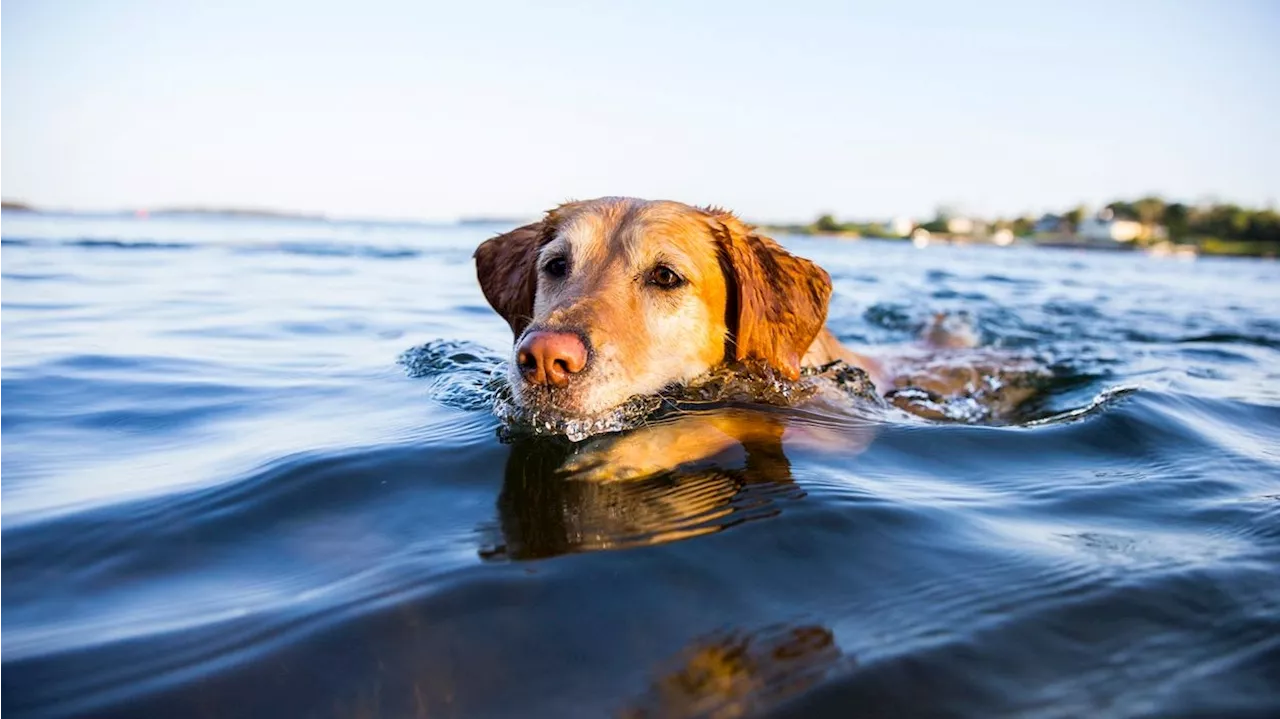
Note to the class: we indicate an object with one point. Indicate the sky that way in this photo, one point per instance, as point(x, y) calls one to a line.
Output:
point(423, 110)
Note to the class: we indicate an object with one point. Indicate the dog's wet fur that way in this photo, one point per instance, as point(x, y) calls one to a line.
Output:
point(617, 297)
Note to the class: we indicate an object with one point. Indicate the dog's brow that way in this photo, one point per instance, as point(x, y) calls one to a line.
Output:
point(558, 245)
point(664, 243)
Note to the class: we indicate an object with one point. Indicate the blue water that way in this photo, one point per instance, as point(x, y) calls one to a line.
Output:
point(225, 495)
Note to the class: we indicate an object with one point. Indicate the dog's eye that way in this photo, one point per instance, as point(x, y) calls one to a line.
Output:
point(556, 267)
point(665, 277)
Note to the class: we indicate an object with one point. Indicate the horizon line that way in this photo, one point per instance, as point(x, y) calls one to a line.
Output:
point(260, 212)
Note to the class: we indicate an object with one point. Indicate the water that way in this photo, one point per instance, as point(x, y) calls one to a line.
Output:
point(224, 494)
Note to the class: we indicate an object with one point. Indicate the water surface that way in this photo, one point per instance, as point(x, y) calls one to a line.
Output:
point(224, 495)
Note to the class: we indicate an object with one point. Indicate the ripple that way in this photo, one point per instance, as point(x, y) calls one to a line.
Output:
point(223, 498)
point(735, 673)
point(330, 249)
point(128, 244)
point(1231, 338)
point(1116, 644)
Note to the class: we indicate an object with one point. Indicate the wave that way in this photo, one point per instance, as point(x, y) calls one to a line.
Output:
point(1231, 339)
point(329, 249)
point(302, 248)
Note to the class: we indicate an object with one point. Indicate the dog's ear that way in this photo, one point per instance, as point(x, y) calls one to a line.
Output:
point(506, 266)
point(777, 301)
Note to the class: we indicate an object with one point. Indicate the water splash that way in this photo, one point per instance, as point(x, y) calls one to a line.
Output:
point(463, 375)
point(471, 377)
point(970, 386)
point(518, 420)
point(1103, 400)
point(753, 383)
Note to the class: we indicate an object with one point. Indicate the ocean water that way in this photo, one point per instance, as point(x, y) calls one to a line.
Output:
point(250, 469)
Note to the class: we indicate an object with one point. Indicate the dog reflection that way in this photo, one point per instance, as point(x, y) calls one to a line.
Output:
point(679, 478)
point(733, 674)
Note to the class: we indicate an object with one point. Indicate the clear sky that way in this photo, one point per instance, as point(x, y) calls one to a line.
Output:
point(779, 110)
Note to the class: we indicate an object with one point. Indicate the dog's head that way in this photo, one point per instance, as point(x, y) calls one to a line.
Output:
point(617, 297)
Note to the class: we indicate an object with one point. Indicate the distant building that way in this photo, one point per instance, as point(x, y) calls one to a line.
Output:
point(960, 226)
point(1050, 224)
point(900, 226)
point(1098, 229)
point(1105, 227)
point(1002, 237)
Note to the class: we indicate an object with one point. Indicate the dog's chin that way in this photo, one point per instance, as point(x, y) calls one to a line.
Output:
point(572, 402)
point(583, 399)
point(567, 412)
point(551, 400)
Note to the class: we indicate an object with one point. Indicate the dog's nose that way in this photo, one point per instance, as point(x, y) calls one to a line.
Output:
point(551, 357)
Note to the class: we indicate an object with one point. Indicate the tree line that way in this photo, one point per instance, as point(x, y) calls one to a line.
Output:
point(1208, 221)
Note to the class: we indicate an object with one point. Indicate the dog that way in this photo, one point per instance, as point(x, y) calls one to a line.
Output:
point(617, 297)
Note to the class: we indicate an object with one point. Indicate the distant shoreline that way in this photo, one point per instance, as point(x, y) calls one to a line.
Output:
point(1206, 246)
point(15, 206)
point(1187, 246)
point(11, 206)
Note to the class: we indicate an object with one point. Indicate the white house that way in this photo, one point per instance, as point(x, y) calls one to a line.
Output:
point(900, 226)
point(1104, 226)
point(960, 226)
point(1049, 224)
point(1097, 228)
